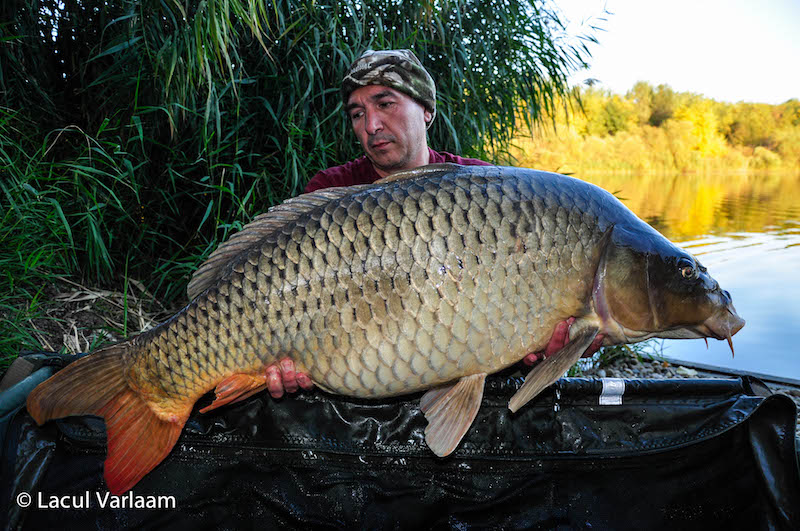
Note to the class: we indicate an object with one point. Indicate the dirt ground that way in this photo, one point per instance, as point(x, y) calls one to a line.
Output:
point(75, 318)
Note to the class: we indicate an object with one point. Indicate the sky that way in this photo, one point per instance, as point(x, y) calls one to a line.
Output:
point(726, 50)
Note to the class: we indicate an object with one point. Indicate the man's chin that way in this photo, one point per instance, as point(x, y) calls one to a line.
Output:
point(387, 164)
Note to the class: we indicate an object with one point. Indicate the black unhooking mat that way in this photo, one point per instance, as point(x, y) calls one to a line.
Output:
point(675, 454)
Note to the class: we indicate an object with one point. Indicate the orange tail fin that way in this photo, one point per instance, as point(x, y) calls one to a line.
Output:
point(95, 385)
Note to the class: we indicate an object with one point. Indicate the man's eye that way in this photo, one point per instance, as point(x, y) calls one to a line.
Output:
point(356, 115)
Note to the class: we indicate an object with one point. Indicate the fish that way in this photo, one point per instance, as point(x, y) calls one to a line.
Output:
point(428, 280)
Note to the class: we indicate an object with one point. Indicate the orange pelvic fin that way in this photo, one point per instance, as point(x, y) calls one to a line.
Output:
point(235, 388)
point(138, 439)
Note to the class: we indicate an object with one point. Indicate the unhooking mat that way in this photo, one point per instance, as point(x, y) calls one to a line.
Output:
point(585, 454)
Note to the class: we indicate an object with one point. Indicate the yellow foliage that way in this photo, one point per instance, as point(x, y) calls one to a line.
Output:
point(707, 139)
point(604, 134)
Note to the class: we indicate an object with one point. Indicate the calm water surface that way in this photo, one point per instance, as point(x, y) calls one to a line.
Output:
point(746, 230)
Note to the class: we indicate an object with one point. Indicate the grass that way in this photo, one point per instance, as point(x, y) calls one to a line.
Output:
point(608, 356)
point(73, 220)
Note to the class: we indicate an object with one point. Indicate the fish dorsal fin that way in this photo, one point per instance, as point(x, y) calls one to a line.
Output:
point(262, 225)
point(450, 411)
point(423, 171)
point(551, 368)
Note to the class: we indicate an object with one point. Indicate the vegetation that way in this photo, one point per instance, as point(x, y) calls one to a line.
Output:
point(135, 135)
point(654, 129)
point(608, 356)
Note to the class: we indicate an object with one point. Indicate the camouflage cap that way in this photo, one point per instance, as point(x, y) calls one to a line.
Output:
point(397, 69)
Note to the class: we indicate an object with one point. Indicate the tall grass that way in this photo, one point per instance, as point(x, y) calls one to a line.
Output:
point(143, 132)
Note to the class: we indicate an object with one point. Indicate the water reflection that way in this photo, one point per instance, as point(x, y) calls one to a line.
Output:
point(746, 230)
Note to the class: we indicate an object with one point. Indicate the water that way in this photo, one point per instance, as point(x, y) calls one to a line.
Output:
point(746, 230)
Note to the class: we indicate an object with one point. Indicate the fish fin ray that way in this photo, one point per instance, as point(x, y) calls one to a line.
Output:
point(424, 171)
point(430, 397)
point(66, 392)
point(236, 388)
point(137, 446)
point(551, 368)
point(96, 385)
point(450, 411)
point(221, 260)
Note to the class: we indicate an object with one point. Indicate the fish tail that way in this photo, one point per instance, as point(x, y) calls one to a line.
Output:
point(138, 439)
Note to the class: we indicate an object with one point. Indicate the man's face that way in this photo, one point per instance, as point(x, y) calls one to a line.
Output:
point(390, 126)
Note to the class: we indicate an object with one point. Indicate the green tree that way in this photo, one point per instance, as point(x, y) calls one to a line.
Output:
point(753, 125)
point(642, 96)
point(618, 114)
point(789, 114)
point(663, 105)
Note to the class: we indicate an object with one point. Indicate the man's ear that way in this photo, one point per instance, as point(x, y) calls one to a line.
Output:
point(427, 117)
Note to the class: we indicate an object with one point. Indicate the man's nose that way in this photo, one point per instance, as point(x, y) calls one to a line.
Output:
point(373, 122)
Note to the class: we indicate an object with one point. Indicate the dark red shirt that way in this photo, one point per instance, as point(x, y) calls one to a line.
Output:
point(361, 171)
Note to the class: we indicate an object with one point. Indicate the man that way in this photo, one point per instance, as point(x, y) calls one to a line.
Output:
point(390, 100)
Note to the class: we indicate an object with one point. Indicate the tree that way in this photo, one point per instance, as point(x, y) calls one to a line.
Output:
point(642, 96)
point(700, 113)
point(663, 105)
point(789, 114)
point(618, 115)
point(752, 125)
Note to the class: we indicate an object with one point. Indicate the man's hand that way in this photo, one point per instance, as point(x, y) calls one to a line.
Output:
point(558, 340)
point(282, 377)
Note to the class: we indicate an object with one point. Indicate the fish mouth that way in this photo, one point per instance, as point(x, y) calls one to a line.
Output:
point(724, 324)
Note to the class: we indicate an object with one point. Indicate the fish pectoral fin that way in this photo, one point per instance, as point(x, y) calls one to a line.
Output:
point(551, 368)
point(450, 411)
point(235, 388)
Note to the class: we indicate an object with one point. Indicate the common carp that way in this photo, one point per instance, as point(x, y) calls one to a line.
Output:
point(428, 280)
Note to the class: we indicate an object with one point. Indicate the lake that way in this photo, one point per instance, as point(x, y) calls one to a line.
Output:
point(745, 229)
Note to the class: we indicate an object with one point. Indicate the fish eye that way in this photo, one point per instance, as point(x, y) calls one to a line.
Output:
point(688, 270)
